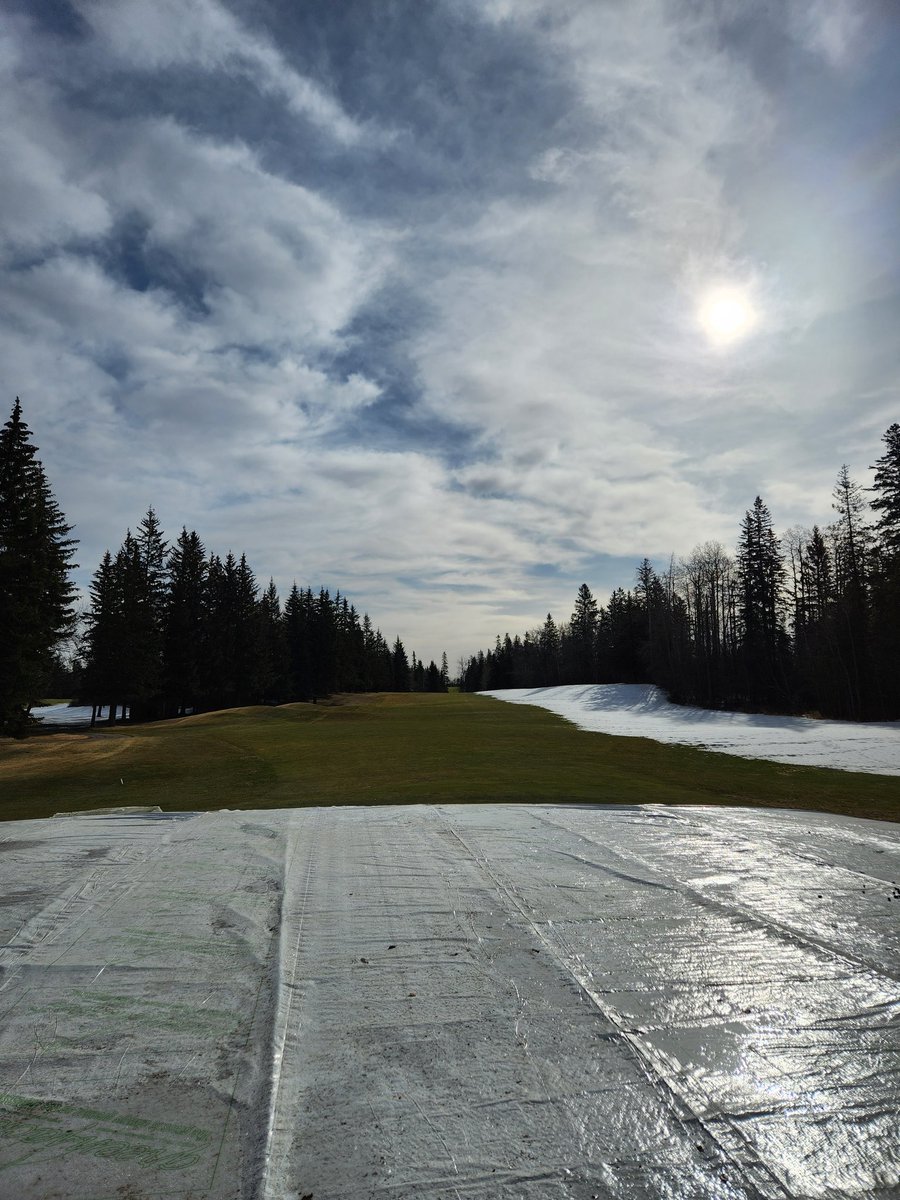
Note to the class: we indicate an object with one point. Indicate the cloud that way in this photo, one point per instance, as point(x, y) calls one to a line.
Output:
point(832, 28)
point(204, 35)
point(408, 307)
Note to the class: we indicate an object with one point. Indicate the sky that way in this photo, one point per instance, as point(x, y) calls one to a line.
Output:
point(411, 298)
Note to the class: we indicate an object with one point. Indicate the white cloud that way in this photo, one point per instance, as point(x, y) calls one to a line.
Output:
point(41, 199)
point(832, 28)
point(151, 34)
point(556, 328)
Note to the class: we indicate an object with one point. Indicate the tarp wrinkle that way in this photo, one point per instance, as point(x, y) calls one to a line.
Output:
point(467, 1002)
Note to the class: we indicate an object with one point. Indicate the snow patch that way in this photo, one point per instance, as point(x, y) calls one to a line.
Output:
point(642, 710)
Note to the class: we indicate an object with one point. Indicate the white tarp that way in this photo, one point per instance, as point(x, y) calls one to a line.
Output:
point(641, 710)
point(464, 1002)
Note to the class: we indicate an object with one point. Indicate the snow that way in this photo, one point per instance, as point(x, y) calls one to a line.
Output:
point(639, 710)
point(452, 1001)
point(62, 714)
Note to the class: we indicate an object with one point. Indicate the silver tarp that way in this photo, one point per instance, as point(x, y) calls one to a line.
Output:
point(461, 1002)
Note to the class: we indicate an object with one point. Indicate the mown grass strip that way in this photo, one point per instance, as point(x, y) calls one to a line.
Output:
point(397, 749)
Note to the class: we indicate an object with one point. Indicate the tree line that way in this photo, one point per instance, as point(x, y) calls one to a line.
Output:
point(805, 623)
point(173, 629)
point(169, 629)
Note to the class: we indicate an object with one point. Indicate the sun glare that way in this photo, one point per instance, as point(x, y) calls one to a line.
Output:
point(726, 315)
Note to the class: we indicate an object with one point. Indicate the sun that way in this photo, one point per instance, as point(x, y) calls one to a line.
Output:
point(726, 314)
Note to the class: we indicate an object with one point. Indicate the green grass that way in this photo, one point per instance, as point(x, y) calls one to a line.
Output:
point(393, 749)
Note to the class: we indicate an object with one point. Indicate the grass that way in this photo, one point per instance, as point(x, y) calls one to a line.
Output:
point(396, 749)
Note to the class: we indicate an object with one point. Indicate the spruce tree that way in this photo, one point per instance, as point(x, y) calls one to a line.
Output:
point(399, 668)
point(887, 498)
point(852, 541)
point(140, 651)
point(36, 594)
point(273, 655)
point(183, 624)
point(102, 676)
point(582, 655)
point(297, 632)
point(761, 605)
point(885, 595)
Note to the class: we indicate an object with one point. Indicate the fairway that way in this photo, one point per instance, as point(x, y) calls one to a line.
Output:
point(395, 749)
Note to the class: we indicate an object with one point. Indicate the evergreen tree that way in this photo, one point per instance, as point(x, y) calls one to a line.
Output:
point(35, 592)
point(618, 640)
point(103, 681)
point(297, 633)
point(887, 494)
point(885, 583)
point(548, 649)
point(147, 621)
point(852, 542)
point(245, 635)
point(323, 644)
point(273, 654)
point(153, 549)
point(399, 668)
point(764, 644)
point(217, 648)
point(433, 681)
point(138, 630)
point(183, 625)
point(581, 654)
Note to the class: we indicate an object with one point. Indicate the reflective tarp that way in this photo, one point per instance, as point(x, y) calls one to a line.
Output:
point(448, 1001)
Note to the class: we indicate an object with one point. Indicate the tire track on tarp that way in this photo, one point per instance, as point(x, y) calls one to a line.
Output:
point(93, 896)
point(768, 924)
point(735, 1148)
point(294, 900)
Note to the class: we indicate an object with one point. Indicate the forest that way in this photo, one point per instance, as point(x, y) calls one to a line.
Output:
point(169, 629)
point(806, 623)
point(172, 630)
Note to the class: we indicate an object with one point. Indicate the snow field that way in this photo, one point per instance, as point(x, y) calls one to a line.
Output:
point(641, 710)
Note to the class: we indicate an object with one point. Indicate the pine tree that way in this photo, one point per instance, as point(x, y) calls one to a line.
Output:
point(36, 594)
point(548, 650)
point(582, 651)
point(887, 489)
point(103, 683)
point(852, 542)
point(124, 639)
point(183, 625)
point(433, 678)
point(761, 577)
point(399, 668)
point(273, 654)
point(247, 636)
point(216, 647)
point(885, 594)
point(140, 649)
point(297, 631)
point(323, 644)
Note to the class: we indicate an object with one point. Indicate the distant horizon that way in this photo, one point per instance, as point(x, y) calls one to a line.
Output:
point(560, 613)
point(455, 309)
